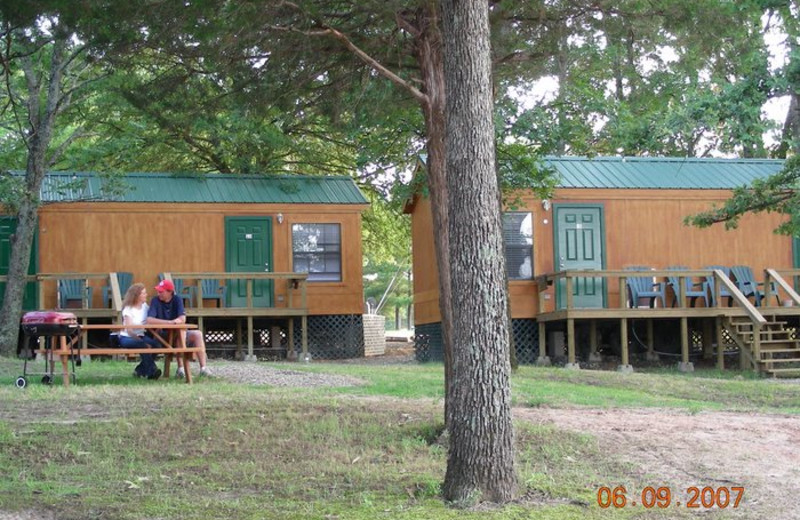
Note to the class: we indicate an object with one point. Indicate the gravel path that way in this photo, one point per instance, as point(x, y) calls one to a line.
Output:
point(260, 374)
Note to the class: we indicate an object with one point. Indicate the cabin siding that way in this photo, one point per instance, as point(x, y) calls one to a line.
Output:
point(150, 238)
point(642, 227)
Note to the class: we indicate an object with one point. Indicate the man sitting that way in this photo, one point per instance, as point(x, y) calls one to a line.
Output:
point(166, 308)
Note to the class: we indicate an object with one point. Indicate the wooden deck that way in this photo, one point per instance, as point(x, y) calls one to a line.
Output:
point(295, 304)
point(759, 332)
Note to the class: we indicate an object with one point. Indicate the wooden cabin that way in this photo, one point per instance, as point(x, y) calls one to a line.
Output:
point(192, 227)
point(609, 214)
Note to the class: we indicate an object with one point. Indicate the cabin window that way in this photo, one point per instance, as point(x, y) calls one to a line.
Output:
point(518, 240)
point(317, 250)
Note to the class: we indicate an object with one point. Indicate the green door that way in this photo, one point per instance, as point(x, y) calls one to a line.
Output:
point(579, 244)
point(248, 249)
point(8, 226)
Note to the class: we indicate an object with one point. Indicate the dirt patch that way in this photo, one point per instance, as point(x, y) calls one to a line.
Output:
point(756, 451)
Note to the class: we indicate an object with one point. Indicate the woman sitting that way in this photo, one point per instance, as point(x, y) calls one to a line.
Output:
point(134, 312)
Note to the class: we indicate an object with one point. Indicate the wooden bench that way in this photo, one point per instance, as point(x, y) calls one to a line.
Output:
point(66, 348)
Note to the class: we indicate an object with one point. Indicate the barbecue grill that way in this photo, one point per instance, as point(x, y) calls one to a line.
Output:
point(54, 327)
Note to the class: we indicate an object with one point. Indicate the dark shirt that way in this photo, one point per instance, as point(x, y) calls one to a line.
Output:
point(166, 311)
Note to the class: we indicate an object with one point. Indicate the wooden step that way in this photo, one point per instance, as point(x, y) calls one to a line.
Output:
point(781, 360)
point(780, 351)
point(771, 338)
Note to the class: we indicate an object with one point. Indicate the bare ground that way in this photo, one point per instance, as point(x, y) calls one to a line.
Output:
point(756, 451)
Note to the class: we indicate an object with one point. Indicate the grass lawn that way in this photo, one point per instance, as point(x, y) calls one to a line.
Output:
point(115, 447)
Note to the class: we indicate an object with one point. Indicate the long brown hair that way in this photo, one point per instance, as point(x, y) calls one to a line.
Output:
point(132, 294)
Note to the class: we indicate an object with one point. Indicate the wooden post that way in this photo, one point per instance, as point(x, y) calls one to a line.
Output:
point(571, 363)
point(623, 294)
point(250, 355)
point(304, 325)
point(651, 343)
point(41, 295)
point(720, 344)
point(290, 347)
point(543, 359)
point(685, 365)
point(623, 335)
point(239, 345)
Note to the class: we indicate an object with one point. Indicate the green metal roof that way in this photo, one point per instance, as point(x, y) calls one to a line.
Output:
point(660, 172)
point(205, 188)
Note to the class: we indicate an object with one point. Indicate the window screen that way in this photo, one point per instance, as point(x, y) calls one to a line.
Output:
point(317, 250)
point(518, 240)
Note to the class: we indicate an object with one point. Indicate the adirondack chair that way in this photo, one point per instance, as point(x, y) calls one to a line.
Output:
point(644, 287)
point(214, 290)
point(746, 282)
point(124, 279)
point(692, 289)
point(723, 292)
point(187, 293)
point(73, 291)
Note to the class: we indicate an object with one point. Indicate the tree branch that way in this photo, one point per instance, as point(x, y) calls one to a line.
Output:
point(363, 56)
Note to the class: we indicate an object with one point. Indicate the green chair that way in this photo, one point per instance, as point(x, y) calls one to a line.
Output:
point(692, 289)
point(74, 291)
point(125, 280)
point(745, 281)
point(187, 293)
point(214, 290)
point(644, 287)
point(723, 292)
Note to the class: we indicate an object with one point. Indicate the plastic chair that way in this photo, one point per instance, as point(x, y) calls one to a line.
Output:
point(73, 290)
point(691, 289)
point(187, 293)
point(644, 287)
point(723, 292)
point(214, 290)
point(746, 282)
point(124, 279)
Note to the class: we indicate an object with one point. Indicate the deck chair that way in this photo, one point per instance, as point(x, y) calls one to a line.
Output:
point(124, 279)
point(214, 290)
point(187, 293)
point(746, 282)
point(73, 291)
point(644, 287)
point(723, 292)
point(692, 289)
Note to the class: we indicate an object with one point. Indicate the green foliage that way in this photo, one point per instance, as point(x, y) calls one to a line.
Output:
point(12, 191)
point(778, 193)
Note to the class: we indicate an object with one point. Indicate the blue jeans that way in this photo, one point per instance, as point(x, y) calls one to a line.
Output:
point(147, 363)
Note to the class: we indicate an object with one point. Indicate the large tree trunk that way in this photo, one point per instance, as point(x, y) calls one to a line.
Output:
point(481, 457)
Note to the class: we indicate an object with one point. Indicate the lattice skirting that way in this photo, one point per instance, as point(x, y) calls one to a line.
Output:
point(335, 336)
point(329, 337)
point(428, 341)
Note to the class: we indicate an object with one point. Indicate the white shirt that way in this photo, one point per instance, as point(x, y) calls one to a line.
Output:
point(136, 316)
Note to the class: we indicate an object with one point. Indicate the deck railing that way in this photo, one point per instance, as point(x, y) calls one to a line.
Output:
point(624, 308)
point(295, 282)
